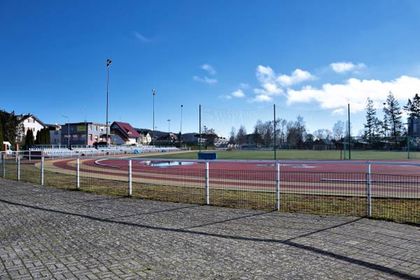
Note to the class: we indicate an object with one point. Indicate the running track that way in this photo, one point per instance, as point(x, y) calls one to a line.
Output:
point(389, 179)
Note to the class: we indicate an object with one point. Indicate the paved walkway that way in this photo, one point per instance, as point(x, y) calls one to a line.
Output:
point(50, 233)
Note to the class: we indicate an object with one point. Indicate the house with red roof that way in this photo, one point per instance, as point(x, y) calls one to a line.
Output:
point(125, 132)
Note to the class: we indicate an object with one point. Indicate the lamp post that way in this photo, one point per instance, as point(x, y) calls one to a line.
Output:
point(108, 65)
point(153, 127)
point(349, 129)
point(169, 125)
point(180, 129)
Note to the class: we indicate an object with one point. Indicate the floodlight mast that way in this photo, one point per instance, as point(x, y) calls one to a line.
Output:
point(108, 65)
point(153, 127)
point(180, 129)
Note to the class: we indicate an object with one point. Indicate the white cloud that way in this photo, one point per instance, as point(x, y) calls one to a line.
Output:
point(141, 37)
point(335, 97)
point(238, 93)
point(263, 98)
point(272, 84)
point(343, 67)
point(209, 69)
point(205, 80)
point(297, 76)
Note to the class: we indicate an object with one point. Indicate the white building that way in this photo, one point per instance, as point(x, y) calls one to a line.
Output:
point(28, 122)
point(145, 139)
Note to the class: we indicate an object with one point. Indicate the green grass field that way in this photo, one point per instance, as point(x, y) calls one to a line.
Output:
point(298, 154)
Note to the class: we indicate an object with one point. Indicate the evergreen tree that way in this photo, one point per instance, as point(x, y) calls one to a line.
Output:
point(413, 107)
point(370, 121)
point(241, 135)
point(29, 139)
point(258, 139)
point(1, 137)
point(38, 137)
point(232, 136)
point(9, 123)
point(393, 116)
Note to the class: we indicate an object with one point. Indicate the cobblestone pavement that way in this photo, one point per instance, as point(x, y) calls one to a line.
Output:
point(50, 233)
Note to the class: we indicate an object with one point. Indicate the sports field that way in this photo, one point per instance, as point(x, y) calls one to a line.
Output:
point(316, 184)
point(300, 154)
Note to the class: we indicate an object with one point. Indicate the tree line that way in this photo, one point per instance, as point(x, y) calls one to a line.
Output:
point(389, 129)
point(287, 134)
point(9, 129)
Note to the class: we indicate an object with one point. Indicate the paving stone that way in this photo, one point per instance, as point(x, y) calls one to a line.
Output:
point(50, 233)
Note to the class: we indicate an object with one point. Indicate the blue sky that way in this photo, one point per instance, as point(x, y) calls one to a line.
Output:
point(236, 58)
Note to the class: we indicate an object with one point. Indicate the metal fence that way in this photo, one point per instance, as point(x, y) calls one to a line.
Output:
point(268, 185)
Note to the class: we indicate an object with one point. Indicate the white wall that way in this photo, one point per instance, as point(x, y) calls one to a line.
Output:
point(34, 125)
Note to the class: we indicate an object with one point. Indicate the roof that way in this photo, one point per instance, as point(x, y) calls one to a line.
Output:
point(126, 129)
point(21, 118)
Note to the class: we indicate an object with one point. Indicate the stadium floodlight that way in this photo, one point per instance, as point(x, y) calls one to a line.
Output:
point(180, 128)
point(349, 130)
point(153, 127)
point(108, 65)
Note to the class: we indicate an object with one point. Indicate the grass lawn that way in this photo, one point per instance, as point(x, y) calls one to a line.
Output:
point(400, 210)
point(298, 154)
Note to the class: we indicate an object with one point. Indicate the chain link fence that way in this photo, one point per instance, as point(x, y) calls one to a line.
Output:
point(267, 185)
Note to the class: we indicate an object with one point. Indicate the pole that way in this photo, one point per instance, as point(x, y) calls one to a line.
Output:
point(18, 168)
point(199, 127)
point(408, 147)
point(369, 191)
point(207, 183)
point(68, 134)
point(349, 132)
point(78, 173)
point(42, 169)
point(108, 64)
point(180, 129)
point(153, 127)
point(130, 178)
point(274, 136)
point(278, 186)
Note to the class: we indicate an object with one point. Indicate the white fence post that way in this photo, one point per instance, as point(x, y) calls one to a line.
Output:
point(42, 169)
point(18, 168)
point(78, 173)
point(207, 186)
point(130, 178)
point(277, 186)
point(30, 155)
point(369, 190)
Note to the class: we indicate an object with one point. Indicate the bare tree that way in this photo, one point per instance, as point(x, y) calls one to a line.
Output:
point(338, 130)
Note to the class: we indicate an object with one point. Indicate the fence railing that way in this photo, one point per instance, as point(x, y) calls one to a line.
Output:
point(269, 185)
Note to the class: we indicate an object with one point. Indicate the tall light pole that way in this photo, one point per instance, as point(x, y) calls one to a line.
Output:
point(180, 129)
point(169, 125)
point(108, 65)
point(274, 136)
point(153, 127)
point(349, 130)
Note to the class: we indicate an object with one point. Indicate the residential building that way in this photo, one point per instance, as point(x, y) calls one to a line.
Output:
point(28, 122)
point(414, 127)
point(82, 133)
point(145, 136)
point(55, 134)
point(126, 132)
